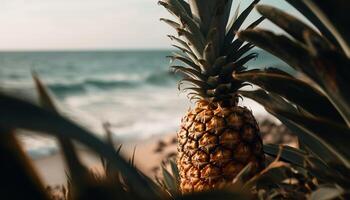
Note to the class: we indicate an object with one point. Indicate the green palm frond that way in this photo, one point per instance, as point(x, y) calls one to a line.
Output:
point(294, 90)
point(321, 60)
point(317, 111)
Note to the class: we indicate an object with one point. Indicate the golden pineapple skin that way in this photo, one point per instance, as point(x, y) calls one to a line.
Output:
point(214, 144)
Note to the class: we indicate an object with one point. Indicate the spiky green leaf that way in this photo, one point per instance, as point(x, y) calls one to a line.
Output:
point(17, 113)
point(291, 88)
point(238, 23)
point(310, 15)
point(78, 172)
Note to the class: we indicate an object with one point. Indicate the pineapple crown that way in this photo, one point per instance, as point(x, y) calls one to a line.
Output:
point(210, 51)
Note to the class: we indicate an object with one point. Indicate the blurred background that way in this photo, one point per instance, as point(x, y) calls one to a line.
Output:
point(105, 61)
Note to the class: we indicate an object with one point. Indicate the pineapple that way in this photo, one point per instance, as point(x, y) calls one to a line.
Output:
point(217, 138)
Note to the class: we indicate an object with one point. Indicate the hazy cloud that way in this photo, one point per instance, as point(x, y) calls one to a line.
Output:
point(84, 24)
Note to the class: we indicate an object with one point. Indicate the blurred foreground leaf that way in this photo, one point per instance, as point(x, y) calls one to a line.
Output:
point(17, 113)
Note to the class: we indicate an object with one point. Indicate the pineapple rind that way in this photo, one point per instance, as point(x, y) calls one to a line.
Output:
point(214, 145)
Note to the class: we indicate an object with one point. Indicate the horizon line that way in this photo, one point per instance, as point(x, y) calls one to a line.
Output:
point(90, 50)
point(84, 50)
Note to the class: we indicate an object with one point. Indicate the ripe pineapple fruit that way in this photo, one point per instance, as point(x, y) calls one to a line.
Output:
point(217, 138)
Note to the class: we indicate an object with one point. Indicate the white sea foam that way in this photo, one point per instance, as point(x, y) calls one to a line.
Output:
point(133, 114)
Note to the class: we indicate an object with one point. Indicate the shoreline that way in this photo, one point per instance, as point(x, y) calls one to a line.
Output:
point(51, 168)
point(149, 153)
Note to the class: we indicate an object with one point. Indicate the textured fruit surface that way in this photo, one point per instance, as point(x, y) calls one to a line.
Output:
point(214, 144)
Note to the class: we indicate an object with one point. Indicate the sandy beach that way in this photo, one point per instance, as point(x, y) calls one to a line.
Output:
point(52, 168)
point(149, 153)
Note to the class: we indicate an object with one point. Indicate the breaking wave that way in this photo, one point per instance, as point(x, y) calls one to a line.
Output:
point(160, 79)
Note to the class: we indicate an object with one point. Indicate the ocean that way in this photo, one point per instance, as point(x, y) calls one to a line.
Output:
point(132, 90)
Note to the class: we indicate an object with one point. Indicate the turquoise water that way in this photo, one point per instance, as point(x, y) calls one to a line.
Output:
point(133, 90)
point(70, 73)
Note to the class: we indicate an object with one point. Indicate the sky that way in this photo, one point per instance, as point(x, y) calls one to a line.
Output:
point(91, 24)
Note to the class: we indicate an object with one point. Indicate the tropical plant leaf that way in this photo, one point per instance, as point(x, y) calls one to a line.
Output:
point(234, 17)
point(201, 12)
point(209, 53)
point(256, 23)
point(170, 182)
point(318, 129)
point(326, 193)
point(218, 24)
point(282, 47)
point(185, 60)
point(333, 15)
point(333, 72)
point(218, 64)
point(16, 114)
point(78, 172)
point(109, 171)
point(288, 23)
point(289, 154)
point(310, 15)
point(317, 148)
point(243, 60)
point(323, 129)
point(175, 171)
point(320, 61)
point(270, 101)
point(233, 47)
point(238, 23)
point(180, 42)
point(186, 7)
point(198, 83)
point(175, 7)
point(240, 52)
point(295, 156)
point(192, 58)
point(273, 174)
point(19, 179)
point(243, 176)
point(171, 23)
point(183, 49)
point(197, 47)
point(276, 81)
point(189, 72)
point(313, 144)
